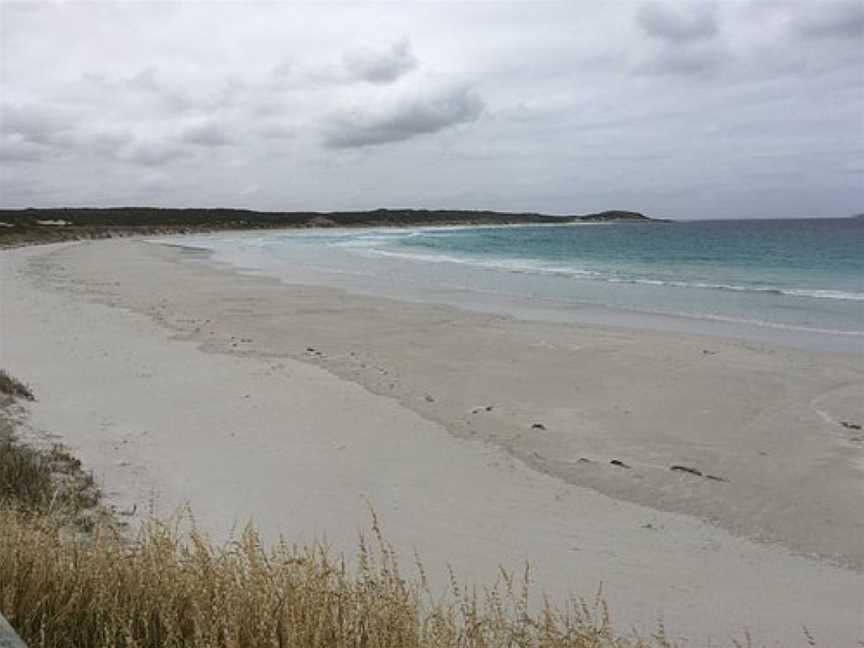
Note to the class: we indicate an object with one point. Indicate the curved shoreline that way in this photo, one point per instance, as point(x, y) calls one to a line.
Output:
point(137, 380)
point(307, 269)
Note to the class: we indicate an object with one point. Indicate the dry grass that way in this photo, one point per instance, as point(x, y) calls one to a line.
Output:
point(170, 589)
point(14, 387)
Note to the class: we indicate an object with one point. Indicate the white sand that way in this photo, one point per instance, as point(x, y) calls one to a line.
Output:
point(106, 334)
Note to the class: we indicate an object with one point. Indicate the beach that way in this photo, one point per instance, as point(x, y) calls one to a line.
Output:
point(708, 481)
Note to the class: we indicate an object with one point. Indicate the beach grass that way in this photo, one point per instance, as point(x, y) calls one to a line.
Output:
point(44, 481)
point(172, 588)
point(25, 476)
point(13, 387)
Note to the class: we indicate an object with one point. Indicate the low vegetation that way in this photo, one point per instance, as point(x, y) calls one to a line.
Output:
point(13, 387)
point(41, 481)
point(34, 226)
point(45, 481)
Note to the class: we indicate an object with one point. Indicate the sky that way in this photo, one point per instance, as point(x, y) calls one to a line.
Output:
point(688, 109)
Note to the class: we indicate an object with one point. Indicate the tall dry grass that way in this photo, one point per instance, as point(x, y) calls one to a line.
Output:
point(170, 589)
point(11, 386)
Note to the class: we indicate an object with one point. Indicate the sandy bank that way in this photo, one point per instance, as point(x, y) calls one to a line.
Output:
point(315, 402)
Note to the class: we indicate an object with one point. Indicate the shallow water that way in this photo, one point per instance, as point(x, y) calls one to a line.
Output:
point(779, 280)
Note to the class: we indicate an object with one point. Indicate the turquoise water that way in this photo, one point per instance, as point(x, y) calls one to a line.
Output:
point(793, 275)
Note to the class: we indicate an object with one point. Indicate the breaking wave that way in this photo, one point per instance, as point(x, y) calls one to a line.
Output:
point(370, 245)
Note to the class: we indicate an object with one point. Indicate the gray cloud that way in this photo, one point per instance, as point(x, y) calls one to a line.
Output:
point(150, 153)
point(406, 120)
point(692, 60)
point(360, 64)
point(684, 37)
point(164, 91)
point(678, 22)
point(831, 19)
point(205, 133)
point(12, 150)
point(33, 123)
point(276, 131)
point(380, 66)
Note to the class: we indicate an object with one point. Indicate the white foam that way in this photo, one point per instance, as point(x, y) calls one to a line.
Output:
point(541, 267)
point(379, 242)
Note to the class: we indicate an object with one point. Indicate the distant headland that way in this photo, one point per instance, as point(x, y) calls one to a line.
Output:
point(24, 226)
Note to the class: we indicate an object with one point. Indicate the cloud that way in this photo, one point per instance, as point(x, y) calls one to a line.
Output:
point(150, 153)
point(155, 181)
point(205, 133)
point(830, 19)
point(364, 64)
point(16, 150)
point(678, 23)
point(380, 67)
point(33, 123)
point(683, 36)
point(405, 120)
point(277, 131)
point(695, 59)
point(33, 133)
point(172, 91)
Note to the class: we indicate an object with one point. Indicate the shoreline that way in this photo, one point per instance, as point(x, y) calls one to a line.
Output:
point(306, 269)
point(460, 427)
point(397, 439)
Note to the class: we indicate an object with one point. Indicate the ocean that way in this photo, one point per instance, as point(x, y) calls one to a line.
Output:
point(790, 281)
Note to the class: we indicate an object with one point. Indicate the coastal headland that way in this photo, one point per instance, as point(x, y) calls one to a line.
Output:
point(28, 226)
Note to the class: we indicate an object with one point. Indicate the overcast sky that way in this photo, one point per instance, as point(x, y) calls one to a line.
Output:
point(678, 109)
